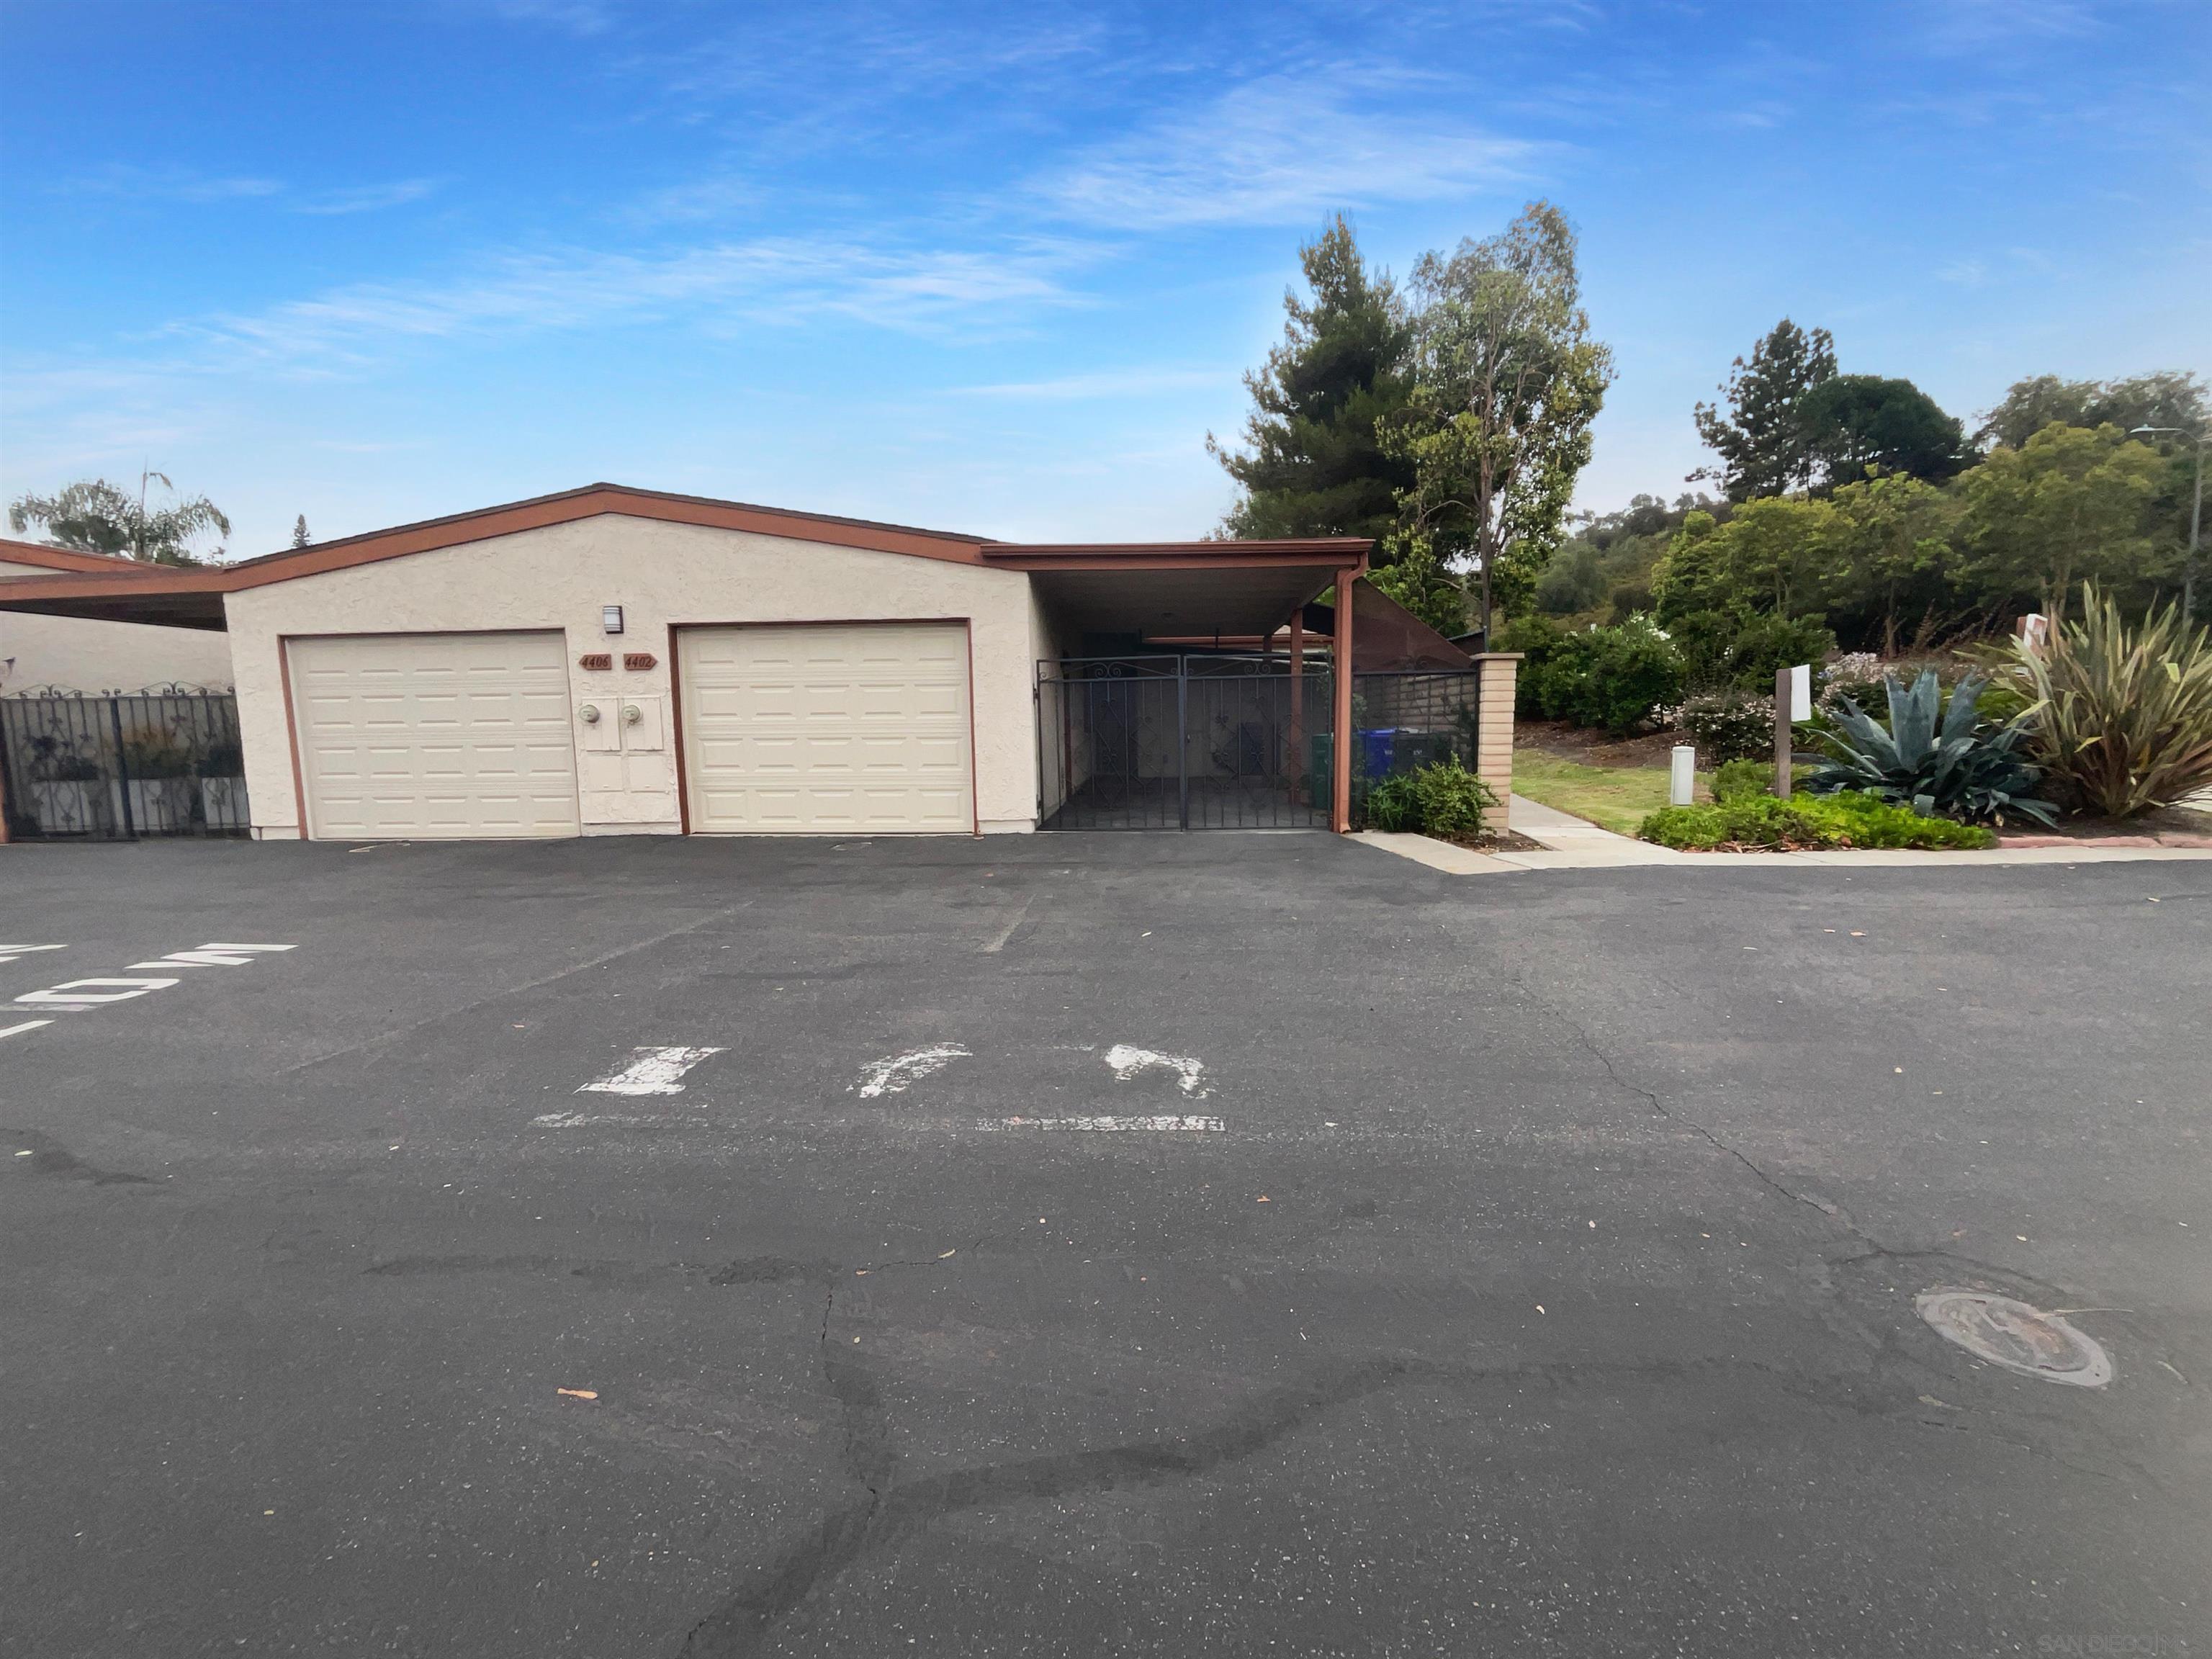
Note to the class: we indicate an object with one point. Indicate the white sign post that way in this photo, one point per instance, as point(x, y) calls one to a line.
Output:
point(1793, 701)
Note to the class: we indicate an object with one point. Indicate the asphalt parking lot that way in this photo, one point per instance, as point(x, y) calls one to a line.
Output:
point(1092, 1245)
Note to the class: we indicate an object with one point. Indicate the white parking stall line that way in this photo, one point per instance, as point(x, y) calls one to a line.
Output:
point(1163, 1124)
point(892, 1074)
point(650, 1072)
point(28, 1025)
point(17, 952)
point(591, 1120)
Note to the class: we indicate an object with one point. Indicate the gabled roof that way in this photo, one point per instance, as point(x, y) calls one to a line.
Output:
point(191, 595)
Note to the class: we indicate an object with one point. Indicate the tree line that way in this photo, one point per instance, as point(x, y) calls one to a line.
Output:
point(1448, 421)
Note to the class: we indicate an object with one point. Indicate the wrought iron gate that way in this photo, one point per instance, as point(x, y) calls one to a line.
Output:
point(1183, 743)
point(1230, 742)
point(168, 762)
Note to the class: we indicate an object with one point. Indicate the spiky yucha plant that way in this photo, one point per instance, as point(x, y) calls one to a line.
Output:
point(1938, 760)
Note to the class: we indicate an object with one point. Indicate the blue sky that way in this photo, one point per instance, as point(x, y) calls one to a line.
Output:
point(1000, 268)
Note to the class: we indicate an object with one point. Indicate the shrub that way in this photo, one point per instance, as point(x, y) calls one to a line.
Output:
point(1442, 799)
point(1739, 778)
point(1535, 638)
point(1393, 804)
point(1734, 648)
point(2119, 715)
point(1950, 765)
point(1452, 799)
point(1614, 677)
point(1765, 645)
point(1725, 725)
point(1806, 820)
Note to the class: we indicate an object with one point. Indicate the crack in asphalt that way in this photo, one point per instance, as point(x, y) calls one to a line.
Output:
point(741, 1625)
point(1834, 1212)
point(443, 1014)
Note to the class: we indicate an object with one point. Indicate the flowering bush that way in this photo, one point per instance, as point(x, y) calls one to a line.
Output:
point(1725, 725)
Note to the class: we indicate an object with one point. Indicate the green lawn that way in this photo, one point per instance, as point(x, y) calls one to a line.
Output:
point(1613, 798)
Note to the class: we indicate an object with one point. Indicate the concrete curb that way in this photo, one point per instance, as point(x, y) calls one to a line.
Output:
point(1572, 844)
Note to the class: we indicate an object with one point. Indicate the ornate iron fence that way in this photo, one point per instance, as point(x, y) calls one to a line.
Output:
point(118, 767)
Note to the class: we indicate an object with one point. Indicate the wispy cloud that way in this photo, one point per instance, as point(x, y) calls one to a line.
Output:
point(1282, 150)
point(1979, 26)
point(1143, 382)
point(182, 187)
point(168, 184)
point(366, 199)
point(713, 288)
point(583, 18)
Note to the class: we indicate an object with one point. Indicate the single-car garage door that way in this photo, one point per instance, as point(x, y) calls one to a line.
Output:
point(435, 737)
point(828, 728)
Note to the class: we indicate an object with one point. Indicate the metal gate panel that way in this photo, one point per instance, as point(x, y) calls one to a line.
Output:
point(117, 768)
point(1183, 743)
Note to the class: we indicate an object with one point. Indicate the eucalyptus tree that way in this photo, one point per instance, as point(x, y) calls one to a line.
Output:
point(1507, 381)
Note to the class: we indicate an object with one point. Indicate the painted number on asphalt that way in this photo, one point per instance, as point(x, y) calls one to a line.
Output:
point(78, 996)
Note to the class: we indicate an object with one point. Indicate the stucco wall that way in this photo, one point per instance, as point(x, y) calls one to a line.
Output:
point(662, 575)
point(80, 654)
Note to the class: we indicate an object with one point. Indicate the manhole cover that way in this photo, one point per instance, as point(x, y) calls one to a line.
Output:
point(2016, 1336)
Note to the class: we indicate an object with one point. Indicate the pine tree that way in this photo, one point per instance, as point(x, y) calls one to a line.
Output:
point(1312, 464)
point(299, 537)
point(1764, 444)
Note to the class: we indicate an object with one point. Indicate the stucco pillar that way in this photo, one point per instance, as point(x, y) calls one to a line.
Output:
point(1496, 672)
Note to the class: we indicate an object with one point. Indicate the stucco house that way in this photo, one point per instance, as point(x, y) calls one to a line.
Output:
point(88, 654)
point(614, 660)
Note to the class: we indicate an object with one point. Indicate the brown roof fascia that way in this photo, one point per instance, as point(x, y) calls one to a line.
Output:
point(69, 558)
point(591, 502)
point(17, 592)
point(1331, 553)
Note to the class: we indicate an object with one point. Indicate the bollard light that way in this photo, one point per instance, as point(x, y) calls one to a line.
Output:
point(1682, 777)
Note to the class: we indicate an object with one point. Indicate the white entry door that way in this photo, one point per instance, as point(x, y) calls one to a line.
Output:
point(828, 728)
point(436, 736)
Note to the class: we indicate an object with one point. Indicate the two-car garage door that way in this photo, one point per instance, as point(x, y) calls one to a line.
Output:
point(835, 728)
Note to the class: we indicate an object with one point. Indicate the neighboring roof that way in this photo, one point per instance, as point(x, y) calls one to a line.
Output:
point(65, 558)
point(192, 596)
point(1386, 637)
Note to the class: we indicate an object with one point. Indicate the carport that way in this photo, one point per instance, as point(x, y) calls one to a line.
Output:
point(1185, 690)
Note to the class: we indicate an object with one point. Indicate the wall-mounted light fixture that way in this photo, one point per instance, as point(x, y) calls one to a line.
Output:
point(610, 618)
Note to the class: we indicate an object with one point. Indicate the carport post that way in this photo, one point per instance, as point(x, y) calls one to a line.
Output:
point(1182, 742)
point(1340, 817)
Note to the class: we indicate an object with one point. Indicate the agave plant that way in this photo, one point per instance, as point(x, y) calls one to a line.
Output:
point(2119, 714)
point(1938, 761)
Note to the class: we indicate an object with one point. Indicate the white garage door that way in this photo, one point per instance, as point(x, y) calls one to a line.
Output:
point(436, 736)
point(829, 728)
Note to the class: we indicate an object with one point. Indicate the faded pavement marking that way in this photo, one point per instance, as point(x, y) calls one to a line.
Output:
point(27, 1025)
point(1166, 1125)
point(999, 939)
point(891, 1075)
point(1128, 1062)
point(650, 1072)
point(17, 952)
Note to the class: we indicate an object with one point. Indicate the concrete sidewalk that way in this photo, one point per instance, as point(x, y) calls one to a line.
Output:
point(1572, 843)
